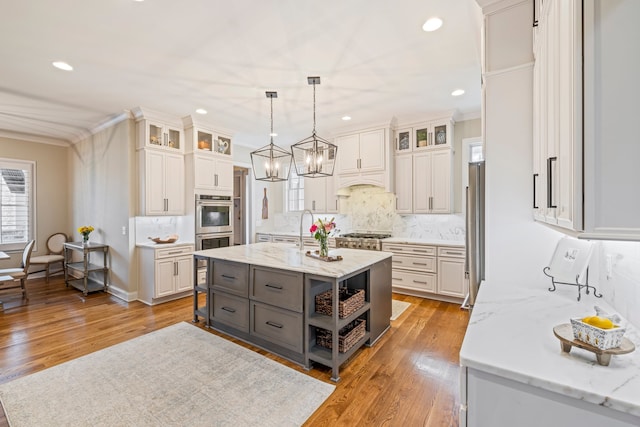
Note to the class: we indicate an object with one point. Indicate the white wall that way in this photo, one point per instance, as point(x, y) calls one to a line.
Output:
point(102, 192)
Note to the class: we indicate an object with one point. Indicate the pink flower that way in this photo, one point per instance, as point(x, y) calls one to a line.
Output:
point(313, 228)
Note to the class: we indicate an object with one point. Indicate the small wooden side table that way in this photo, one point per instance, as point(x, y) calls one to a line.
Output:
point(87, 282)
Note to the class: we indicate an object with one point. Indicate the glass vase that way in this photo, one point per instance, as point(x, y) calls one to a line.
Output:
point(324, 247)
point(85, 239)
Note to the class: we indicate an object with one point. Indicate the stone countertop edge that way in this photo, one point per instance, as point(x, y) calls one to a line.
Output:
point(289, 257)
point(154, 245)
point(510, 334)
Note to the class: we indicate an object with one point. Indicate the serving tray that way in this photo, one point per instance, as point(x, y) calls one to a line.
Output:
point(564, 333)
point(316, 255)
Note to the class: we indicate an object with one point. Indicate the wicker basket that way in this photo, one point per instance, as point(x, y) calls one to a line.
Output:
point(350, 301)
point(348, 336)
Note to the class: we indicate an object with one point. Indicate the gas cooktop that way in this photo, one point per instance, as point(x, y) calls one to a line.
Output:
point(369, 241)
point(366, 235)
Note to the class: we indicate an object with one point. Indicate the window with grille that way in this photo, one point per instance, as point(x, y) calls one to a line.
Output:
point(16, 203)
point(294, 192)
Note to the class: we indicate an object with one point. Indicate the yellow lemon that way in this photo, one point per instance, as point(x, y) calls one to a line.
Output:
point(601, 322)
point(587, 319)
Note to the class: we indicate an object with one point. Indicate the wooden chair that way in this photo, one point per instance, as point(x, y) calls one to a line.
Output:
point(55, 248)
point(9, 276)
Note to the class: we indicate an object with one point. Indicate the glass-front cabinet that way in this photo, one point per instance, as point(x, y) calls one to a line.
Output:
point(156, 130)
point(424, 135)
point(203, 139)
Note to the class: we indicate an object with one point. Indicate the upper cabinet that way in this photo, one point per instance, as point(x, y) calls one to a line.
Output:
point(203, 139)
point(156, 130)
point(208, 159)
point(320, 195)
point(585, 97)
point(160, 145)
point(364, 157)
point(424, 135)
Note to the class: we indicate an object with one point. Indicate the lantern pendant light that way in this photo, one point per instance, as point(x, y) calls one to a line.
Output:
point(271, 163)
point(314, 157)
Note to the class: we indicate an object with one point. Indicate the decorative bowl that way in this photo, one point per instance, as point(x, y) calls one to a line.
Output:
point(603, 339)
point(169, 239)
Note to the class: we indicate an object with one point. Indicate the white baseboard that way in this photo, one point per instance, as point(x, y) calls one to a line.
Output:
point(122, 294)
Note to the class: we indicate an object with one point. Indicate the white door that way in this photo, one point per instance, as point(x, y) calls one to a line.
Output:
point(165, 273)
point(348, 153)
point(174, 183)
point(441, 181)
point(184, 278)
point(372, 151)
point(451, 277)
point(154, 183)
point(404, 184)
point(421, 182)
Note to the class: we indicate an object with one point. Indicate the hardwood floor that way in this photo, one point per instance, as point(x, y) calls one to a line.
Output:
point(408, 378)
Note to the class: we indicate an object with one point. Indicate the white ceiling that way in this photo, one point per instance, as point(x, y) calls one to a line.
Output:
point(375, 62)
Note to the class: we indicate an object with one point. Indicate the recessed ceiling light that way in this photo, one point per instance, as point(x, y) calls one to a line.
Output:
point(457, 92)
point(273, 134)
point(346, 118)
point(61, 65)
point(199, 110)
point(432, 24)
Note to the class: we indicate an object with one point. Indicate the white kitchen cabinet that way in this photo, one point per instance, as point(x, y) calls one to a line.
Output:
point(157, 130)
point(212, 175)
point(263, 237)
point(424, 135)
point(161, 180)
point(451, 272)
point(320, 195)
point(584, 113)
point(202, 138)
point(404, 184)
point(365, 158)
point(165, 273)
point(432, 181)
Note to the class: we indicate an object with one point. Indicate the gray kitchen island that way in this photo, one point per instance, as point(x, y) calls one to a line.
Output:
point(278, 298)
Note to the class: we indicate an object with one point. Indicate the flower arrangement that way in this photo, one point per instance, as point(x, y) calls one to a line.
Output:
point(85, 230)
point(321, 230)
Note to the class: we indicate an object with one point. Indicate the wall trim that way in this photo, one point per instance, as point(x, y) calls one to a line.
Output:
point(509, 70)
point(34, 138)
point(111, 121)
point(122, 294)
point(493, 6)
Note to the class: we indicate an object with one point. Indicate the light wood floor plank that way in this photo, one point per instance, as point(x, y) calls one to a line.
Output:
point(408, 378)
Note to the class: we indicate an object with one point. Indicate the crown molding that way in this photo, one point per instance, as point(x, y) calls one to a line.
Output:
point(34, 138)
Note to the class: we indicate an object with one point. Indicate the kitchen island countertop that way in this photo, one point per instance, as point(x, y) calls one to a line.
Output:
point(510, 334)
point(289, 257)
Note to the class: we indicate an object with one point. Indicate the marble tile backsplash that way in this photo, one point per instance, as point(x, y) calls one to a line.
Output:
point(371, 209)
point(621, 285)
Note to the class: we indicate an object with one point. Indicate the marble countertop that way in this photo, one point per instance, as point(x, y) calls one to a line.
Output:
point(435, 242)
point(289, 257)
point(510, 334)
point(154, 245)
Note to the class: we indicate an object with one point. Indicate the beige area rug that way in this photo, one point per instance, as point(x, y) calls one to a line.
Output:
point(397, 308)
point(176, 376)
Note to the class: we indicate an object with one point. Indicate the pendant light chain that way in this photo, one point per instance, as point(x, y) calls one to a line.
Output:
point(271, 135)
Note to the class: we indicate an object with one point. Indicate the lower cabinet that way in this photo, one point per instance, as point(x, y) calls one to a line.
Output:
point(165, 273)
point(428, 271)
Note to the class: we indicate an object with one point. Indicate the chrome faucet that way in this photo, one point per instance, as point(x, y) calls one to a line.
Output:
point(301, 217)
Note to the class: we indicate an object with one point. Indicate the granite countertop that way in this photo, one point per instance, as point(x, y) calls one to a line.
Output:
point(289, 257)
point(510, 334)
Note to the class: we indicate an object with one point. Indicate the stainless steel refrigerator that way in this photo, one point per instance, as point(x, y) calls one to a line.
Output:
point(474, 262)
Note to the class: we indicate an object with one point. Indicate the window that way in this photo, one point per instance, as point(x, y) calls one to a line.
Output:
point(16, 203)
point(294, 192)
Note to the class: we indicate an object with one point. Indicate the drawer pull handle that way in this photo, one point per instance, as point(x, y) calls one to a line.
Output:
point(396, 262)
point(419, 263)
point(269, 285)
point(274, 324)
point(174, 252)
point(422, 251)
point(229, 309)
point(396, 278)
point(452, 253)
point(228, 277)
point(419, 281)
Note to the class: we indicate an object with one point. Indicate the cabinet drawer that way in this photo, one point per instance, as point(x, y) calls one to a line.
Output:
point(277, 287)
point(423, 264)
point(263, 237)
point(419, 281)
point(284, 239)
point(231, 277)
point(454, 252)
point(418, 250)
point(279, 326)
point(230, 310)
point(173, 251)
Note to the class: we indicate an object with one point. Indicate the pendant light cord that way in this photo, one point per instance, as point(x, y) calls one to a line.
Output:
point(314, 107)
point(271, 135)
